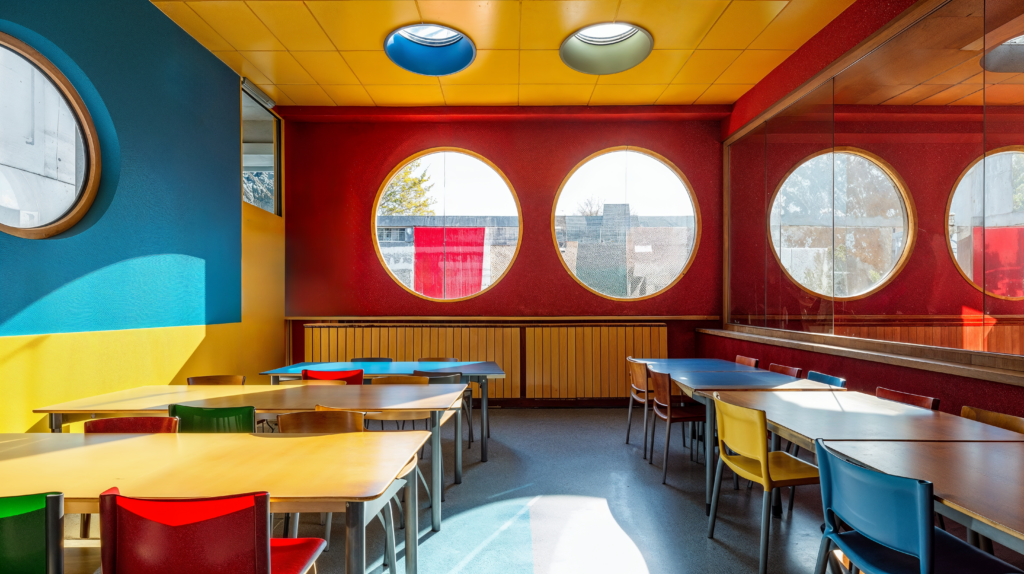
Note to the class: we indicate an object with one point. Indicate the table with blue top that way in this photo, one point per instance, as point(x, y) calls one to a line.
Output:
point(479, 372)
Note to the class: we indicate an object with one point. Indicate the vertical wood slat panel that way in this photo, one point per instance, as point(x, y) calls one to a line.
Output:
point(531, 382)
point(307, 353)
point(516, 356)
point(570, 357)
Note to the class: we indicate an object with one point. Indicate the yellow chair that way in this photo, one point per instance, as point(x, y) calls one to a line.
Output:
point(1008, 422)
point(743, 446)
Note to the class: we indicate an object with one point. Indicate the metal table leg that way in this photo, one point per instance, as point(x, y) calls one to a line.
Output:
point(485, 426)
point(458, 445)
point(355, 537)
point(436, 472)
point(709, 450)
point(56, 422)
point(777, 493)
point(293, 526)
point(275, 380)
point(412, 523)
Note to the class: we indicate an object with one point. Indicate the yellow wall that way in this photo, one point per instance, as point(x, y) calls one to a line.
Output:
point(40, 370)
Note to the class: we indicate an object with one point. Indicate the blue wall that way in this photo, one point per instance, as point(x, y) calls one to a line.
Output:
point(161, 245)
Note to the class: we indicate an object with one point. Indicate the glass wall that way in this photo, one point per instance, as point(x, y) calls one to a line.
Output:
point(888, 203)
point(260, 152)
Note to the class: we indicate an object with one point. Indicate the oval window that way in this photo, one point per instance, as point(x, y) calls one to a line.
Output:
point(49, 157)
point(840, 224)
point(626, 224)
point(447, 225)
point(986, 224)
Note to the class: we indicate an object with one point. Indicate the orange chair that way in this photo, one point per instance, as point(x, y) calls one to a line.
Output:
point(332, 377)
point(638, 391)
point(1008, 422)
point(664, 410)
point(217, 380)
point(907, 398)
point(784, 370)
point(747, 361)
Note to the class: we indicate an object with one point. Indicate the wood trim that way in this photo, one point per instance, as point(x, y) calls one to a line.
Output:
point(449, 318)
point(1004, 369)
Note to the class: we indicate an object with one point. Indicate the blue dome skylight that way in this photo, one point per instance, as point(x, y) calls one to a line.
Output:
point(430, 49)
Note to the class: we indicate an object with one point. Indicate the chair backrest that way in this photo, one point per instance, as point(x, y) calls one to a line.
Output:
point(907, 398)
point(743, 430)
point(133, 425)
point(217, 380)
point(325, 421)
point(637, 374)
point(890, 510)
point(661, 384)
point(401, 380)
point(201, 536)
point(827, 379)
point(784, 370)
point(746, 361)
point(208, 420)
point(332, 377)
point(372, 360)
point(438, 360)
point(32, 533)
point(440, 378)
point(1008, 422)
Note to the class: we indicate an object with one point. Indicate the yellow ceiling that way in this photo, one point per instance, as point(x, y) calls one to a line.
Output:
point(330, 52)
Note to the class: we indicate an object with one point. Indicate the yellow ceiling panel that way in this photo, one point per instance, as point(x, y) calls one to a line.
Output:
point(237, 24)
point(799, 22)
point(741, 22)
point(490, 67)
point(659, 68)
point(462, 95)
point(681, 94)
point(377, 68)
point(307, 95)
point(1004, 94)
point(914, 95)
point(950, 95)
point(196, 27)
point(279, 97)
point(723, 93)
point(675, 24)
point(492, 25)
point(704, 66)
point(292, 24)
point(363, 24)
point(242, 67)
point(547, 67)
point(554, 95)
point(348, 95)
point(546, 23)
point(327, 68)
point(752, 65)
point(1018, 79)
point(280, 67)
point(406, 95)
point(975, 99)
point(622, 95)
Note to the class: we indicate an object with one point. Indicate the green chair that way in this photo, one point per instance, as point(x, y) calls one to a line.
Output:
point(32, 534)
point(201, 419)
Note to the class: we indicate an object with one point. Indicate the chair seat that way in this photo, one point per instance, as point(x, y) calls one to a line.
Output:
point(952, 555)
point(294, 555)
point(784, 468)
point(682, 413)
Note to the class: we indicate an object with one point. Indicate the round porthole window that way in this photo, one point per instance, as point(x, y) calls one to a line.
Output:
point(430, 49)
point(607, 48)
point(49, 150)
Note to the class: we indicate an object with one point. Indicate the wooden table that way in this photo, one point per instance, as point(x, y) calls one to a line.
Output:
point(288, 399)
point(700, 365)
point(479, 372)
point(309, 473)
point(978, 484)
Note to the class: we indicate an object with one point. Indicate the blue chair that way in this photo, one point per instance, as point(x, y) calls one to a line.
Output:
point(827, 379)
point(889, 524)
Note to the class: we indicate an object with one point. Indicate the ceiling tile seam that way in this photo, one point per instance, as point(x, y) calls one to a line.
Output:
point(419, 12)
point(592, 90)
point(289, 52)
point(713, 24)
point(208, 25)
point(948, 70)
point(615, 17)
point(662, 93)
point(519, 49)
point(701, 95)
point(305, 4)
point(773, 21)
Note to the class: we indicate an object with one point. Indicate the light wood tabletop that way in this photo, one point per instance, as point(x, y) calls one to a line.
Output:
point(803, 417)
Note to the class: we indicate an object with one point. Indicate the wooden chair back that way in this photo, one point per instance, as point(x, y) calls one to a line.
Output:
point(401, 380)
point(907, 398)
point(661, 384)
point(321, 422)
point(133, 425)
point(217, 380)
point(1008, 422)
point(372, 360)
point(637, 375)
point(784, 370)
point(438, 360)
point(440, 378)
point(747, 361)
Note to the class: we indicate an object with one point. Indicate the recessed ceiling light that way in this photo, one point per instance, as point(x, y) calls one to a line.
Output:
point(431, 35)
point(430, 49)
point(607, 48)
point(1017, 40)
point(1006, 58)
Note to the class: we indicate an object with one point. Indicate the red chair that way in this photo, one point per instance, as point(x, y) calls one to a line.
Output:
point(747, 361)
point(333, 377)
point(133, 425)
point(784, 370)
point(907, 398)
point(199, 536)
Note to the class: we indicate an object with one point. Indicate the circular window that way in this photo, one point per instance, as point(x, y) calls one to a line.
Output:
point(607, 48)
point(841, 224)
point(49, 151)
point(430, 50)
point(447, 224)
point(985, 215)
point(626, 224)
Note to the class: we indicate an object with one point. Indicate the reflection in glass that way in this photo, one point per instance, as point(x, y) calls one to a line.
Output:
point(986, 224)
point(447, 225)
point(869, 223)
point(259, 155)
point(625, 225)
point(42, 153)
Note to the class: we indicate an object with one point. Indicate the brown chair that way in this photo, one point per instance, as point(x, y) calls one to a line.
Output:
point(467, 397)
point(372, 360)
point(217, 380)
point(1008, 422)
point(747, 361)
point(664, 410)
point(438, 360)
point(784, 370)
point(450, 379)
point(638, 391)
point(907, 398)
